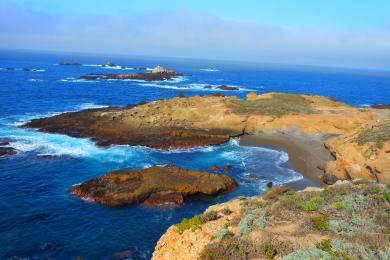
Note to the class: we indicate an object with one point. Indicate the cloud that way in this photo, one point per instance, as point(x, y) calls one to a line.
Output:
point(193, 35)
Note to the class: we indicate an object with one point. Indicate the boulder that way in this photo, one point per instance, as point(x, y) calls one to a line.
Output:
point(154, 185)
point(225, 87)
point(7, 151)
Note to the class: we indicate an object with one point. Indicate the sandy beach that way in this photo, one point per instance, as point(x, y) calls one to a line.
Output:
point(307, 153)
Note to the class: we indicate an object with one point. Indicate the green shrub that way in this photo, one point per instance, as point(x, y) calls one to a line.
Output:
point(313, 204)
point(320, 222)
point(208, 216)
point(268, 250)
point(339, 205)
point(387, 196)
point(309, 206)
point(193, 224)
point(325, 245)
point(318, 200)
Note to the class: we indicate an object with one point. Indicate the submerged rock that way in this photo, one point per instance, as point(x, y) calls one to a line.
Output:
point(7, 151)
point(154, 185)
point(225, 87)
point(67, 63)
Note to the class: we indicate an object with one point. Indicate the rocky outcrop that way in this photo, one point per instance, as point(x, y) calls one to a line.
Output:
point(345, 221)
point(67, 63)
point(7, 151)
point(187, 122)
point(154, 186)
point(157, 74)
point(225, 87)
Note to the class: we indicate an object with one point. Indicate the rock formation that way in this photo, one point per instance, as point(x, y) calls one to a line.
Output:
point(154, 185)
point(194, 121)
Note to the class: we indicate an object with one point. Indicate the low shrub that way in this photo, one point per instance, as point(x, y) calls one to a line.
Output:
point(226, 211)
point(222, 233)
point(339, 205)
point(320, 222)
point(193, 224)
point(268, 249)
point(387, 196)
point(208, 216)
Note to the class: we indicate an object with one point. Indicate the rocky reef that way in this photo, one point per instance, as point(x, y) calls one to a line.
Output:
point(348, 220)
point(186, 122)
point(154, 186)
point(157, 74)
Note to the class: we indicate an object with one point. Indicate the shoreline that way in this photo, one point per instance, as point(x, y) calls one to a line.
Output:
point(306, 153)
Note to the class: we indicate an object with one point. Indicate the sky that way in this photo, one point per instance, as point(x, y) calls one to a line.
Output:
point(345, 33)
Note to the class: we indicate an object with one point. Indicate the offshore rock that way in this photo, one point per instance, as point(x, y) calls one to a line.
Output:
point(155, 185)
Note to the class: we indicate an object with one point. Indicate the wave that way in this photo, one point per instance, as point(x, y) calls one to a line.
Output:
point(192, 86)
point(36, 80)
point(22, 69)
point(108, 67)
point(75, 80)
point(210, 70)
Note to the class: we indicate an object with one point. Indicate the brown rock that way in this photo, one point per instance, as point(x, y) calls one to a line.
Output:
point(214, 168)
point(226, 167)
point(225, 87)
point(154, 185)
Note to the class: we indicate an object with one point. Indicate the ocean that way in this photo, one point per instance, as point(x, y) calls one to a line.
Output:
point(39, 219)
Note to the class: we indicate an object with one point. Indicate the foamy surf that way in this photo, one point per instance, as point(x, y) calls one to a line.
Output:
point(210, 70)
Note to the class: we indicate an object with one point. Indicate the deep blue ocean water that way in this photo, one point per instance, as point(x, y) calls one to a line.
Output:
point(39, 219)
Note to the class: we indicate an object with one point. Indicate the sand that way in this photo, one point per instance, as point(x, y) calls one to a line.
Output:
point(307, 153)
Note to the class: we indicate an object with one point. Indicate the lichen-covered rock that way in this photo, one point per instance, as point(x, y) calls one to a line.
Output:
point(154, 186)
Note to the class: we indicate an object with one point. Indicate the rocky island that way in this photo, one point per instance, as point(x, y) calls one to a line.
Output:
point(358, 139)
point(154, 186)
point(157, 74)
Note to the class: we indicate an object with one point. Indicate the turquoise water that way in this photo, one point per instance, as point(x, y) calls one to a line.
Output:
point(40, 220)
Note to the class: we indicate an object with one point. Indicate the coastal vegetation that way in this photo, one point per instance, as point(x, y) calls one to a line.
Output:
point(348, 220)
point(278, 104)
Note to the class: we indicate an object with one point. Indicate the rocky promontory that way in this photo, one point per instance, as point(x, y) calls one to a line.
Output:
point(154, 186)
point(358, 139)
point(157, 74)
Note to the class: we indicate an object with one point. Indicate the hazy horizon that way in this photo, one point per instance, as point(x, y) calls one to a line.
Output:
point(352, 34)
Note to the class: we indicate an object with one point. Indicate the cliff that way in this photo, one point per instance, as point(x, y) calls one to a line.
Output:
point(348, 220)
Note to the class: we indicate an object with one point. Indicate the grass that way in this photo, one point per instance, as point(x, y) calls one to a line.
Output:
point(277, 105)
point(379, 135)
point(320, 222)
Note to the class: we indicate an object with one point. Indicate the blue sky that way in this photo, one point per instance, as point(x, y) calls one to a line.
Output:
point(331, 33)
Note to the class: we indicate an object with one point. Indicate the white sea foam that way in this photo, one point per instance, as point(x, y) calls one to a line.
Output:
point(210, 70)
point(108, 67)
point(78, 80)
point(36, 80)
